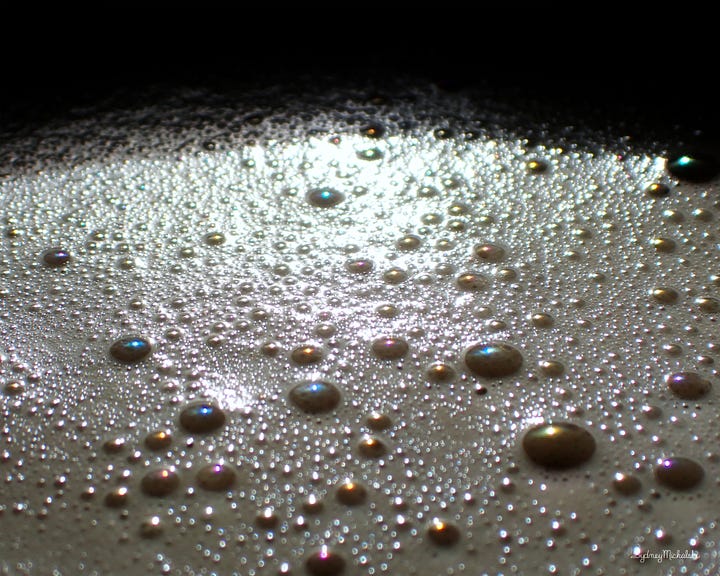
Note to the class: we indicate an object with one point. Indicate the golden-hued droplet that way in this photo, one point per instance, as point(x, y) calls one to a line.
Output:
point(395, 276)
point(114, 445)
point(664, 295)
point(372, 447)
point(679, 473)
point(151, 527)
point(202, 417)
point(315, 397)
point(378, 421)
point(117, 498)
point(351, 493)
point(267, 518)
point(312, 504)
point(216, 477)
point(325, 562)
point(390, 348)
point(160, 482)
point(489, 252)
point(387, 311)
point(664, 244)
point(307, 354)
point(158, 440)
point(542, 320)
point(443, 533)
point(13, 388)
point(710, 305)
point(493, 359)
point(558, 445)
point(536, 166)
point(551, 368)
point(440, 372)
point(214, 239)
point(657, 190)
point(626, 484)
point(688, 385)
point(471, 282)
point(361, 266)
point(408, 242)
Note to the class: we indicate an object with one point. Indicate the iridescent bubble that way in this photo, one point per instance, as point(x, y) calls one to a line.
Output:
point(679, 473)
point(216, 477)
point(440, 372)
point(558, 444)
point(215, 239)
point(325, 562)
point(443, 533)
point(471, 282)
point(626, 484)
point(315, 396)
point(657, 190)
point(117, 498)
point(160, 482)
point(493, 359)
point(56, 257)
point(688, 385)
point(664, 295)
point(202, 417)
point(351, 493)
point(130, 349)
point(693, 167)
point(390, 348)
point(325, 197)
point(489, 252)
point(158, 440)
point(372, 447)
point(307, 354)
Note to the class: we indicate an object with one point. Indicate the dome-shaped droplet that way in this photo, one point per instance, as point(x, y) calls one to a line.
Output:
point(202, 417)
point(378, 421)
point(472, 282)
point(216, 477)
point(494, 359)
point(390, 348)
point(130, 349)
point(372, 447)
point(325, 562)
point(542, 320)
point(664, 295)
point(657, 190)
point(360, 266)
point(537, 166)
point(160, 482)
point(688, 385)
point(315, 396)
point(158, 440)
point(325, 197)
point(440, 372)
point(117, 497)
point(558, 445)
point(490, 252)
point(55, 257)
point(443, 533)
point(409, 242)
point(626, 484)
point(373, 130)
point(679, 473)
point(307, 354)
point(214, 238)
point(693, 167)
point(351, 493)
point(710, 305)
point(151, 527)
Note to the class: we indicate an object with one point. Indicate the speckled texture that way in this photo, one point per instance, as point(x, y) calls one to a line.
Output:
point(134, 195)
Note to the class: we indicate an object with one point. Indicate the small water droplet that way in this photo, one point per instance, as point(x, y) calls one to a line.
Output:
point(440, 372)
point(215, 239)
point(307, 354)
point(537, 166)
point(325, 562)
point(372, 447)
point(471, 282)
point(657, 190)
point(370, 154)
point(443, 533)
point(489, 252)
point(351, 493)
point(626, 484)
point(709, 305)
point(395, 276)
point(158, 440)
point(679, 473)
point(216, 477)
point(117, 498)
point(664, 295)
point(378, 421)
point(151, 527)
point(409, 242)
point(160, 482)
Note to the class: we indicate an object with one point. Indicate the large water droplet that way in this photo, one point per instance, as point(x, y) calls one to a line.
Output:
point(202, 417)
point(130, 349)
point(160, 482)
point(315, 396)
point(688, 385)
point(558, 445)
point(494, 359)
point(679, 473)
point(693, 167)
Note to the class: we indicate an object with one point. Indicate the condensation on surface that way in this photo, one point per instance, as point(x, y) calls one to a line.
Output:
point(256, 250)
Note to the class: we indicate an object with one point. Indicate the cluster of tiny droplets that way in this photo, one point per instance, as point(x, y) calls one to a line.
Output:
point(293, 344)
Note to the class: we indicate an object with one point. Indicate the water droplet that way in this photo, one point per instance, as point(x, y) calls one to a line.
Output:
point(372, 447)
point(13, 388)
point(471, 282)
point(202, 417)
point(266, 518)
point(679, 473)
point(440, 372)
point(351, 493)
point(370, 154)
point(378, 421)
point(325, 197)
point(443, 533)
point(443, 133)
point(117, 498)
point(693, 167)
point(315, 396)
point(114, 445)
point(387, 311)
point(558, 445)
point(551, 368)
point(390, 348)
point(160, 482)
point(494, 359)
point(489, 252)
point(408, 242)
point(664, 295)
point(215, 239)
point(307, 354)
point(395, 276)
point(312, 504)
point(361, 266)
point(56, 257)
point(710, 305)
point(151, 527)
point(664, 244)
point(537, 166)
point(626, 484)
point(373, 130)
point(325, 562)
point(216, 477)
point(688, 385)
point(158, 440)
point(657, 190)
point(542, 320)
point(428, 192)
point(130, 349)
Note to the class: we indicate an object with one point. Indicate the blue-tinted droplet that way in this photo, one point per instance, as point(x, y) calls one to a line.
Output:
point(202, 417)
point(130, 349)
point(493, 359)
point(693, 167)
point(325, 197)
point(56, 257)
point(315, 396)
